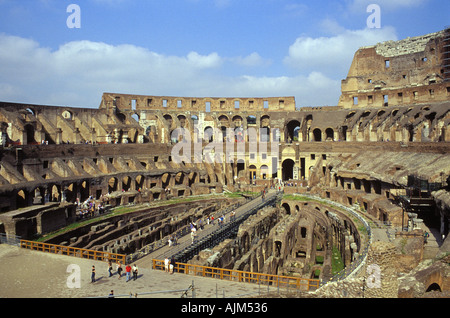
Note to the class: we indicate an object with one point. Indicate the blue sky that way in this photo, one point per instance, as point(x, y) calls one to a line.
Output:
point(217, 48)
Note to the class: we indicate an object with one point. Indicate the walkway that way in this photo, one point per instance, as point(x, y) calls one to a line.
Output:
point(185, 242)
point(33, 274)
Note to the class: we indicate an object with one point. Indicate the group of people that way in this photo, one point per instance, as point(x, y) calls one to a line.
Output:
point(88, 208)
point(129, 270)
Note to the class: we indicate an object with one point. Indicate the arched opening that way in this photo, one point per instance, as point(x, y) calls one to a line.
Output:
point(84, 190)
point(169, 120)
point(317, 134)
point(208, 134)
point(139, 182)
point(251, 120)
point(329, 132)
point(434, 287)
point(288, 169)
point(264, 172)
point(71, 192)
point(286, 207)
point(29, 130)
point(292, 130)
point(182, 120)
point(179, 178)
point(112, 185)
point(165, 178)
point(126, 183)
point(21, 199)
point(67, 115)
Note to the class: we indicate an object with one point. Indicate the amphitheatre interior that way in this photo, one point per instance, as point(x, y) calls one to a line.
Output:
point(166, 161)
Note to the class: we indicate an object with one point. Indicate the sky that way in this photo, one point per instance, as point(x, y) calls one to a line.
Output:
point(195, 48)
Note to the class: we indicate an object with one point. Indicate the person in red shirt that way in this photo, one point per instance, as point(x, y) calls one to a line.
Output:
point(128, 271)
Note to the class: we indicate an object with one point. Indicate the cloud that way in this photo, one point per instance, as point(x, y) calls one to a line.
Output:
point(251, 60)
point(333, 55)
point(78, 72)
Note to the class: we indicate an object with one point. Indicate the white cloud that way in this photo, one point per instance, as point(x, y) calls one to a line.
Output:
point(251, 60)
point(77, 73)
point(333, 55)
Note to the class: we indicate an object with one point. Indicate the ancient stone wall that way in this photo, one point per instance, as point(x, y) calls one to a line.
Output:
point(403, 72)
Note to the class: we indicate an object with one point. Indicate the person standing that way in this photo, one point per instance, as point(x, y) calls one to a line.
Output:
point(128, 272)
point(110, 268)
point(119, 269)
point(135, 272)
point(93, 274)
point(166, 264)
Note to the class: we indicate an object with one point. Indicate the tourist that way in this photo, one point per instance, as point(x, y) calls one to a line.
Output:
point(425, 237)
point(110, 268)
point(111, 294)
point(128, 272)
point(193, 234)
point(166, 265)
point(119, 269)
point(135, 272)
point(93, 274)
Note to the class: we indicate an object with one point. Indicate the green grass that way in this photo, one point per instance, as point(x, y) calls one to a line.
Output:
point(336, 261)
point(297, 198)
point(319, 259)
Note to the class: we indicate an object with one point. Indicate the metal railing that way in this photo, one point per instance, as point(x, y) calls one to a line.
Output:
point(305, 284)
point(73, 251)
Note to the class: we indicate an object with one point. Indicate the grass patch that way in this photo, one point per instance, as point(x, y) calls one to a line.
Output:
point(297, 198)
point(336, 261)
point(319, 259)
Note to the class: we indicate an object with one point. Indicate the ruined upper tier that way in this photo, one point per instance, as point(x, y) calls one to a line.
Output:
point(409, 71)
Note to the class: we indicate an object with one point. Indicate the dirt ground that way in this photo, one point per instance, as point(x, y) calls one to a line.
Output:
point(33, 274)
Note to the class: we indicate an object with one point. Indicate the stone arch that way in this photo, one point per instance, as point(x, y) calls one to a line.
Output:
point(292, 130)
point(286, 207)
point(22, 198)
point(329, 134)
point(264, 169)
point(237, 121)
point(434, 287)
point(68, 115)
point(208, 134)
point(317, 134)
point(168, 119)
point(139, 181)
point(182, 120)
point(287, 168)
point(264, 131)
point(112, 184)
